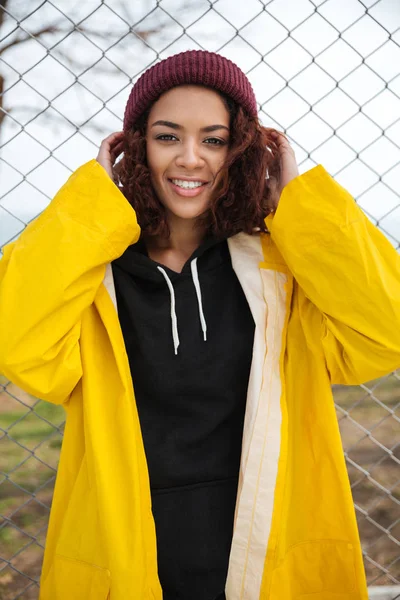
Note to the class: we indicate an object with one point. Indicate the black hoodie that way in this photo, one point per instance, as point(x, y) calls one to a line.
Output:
point(191, 402)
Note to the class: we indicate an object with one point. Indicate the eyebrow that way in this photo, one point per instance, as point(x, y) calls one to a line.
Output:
point(176, 126)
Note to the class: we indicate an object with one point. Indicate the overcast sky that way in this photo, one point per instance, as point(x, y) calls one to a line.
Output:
point(325, 71)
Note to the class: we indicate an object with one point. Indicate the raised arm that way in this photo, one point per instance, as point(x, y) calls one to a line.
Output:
point(50, 275)
point(349, 272)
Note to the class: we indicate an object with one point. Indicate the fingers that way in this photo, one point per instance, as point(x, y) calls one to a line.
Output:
point(109, 143)
point(116, 151)
point(276, 132)
point(112, 145)
point(279, 137)
point(284, 146)
point(110, 148)
point(113, 137)
point(280, 140)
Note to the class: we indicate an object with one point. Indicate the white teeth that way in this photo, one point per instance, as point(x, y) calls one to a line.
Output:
point(187, 184)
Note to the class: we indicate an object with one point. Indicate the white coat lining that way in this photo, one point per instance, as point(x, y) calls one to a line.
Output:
point(266, 295)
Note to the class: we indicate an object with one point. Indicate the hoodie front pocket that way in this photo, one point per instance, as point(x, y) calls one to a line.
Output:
point(73, 579)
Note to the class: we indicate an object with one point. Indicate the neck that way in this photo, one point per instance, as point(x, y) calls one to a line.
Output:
point(184, 238)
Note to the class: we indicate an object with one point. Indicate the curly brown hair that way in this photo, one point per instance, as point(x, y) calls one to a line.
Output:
point(243, 196)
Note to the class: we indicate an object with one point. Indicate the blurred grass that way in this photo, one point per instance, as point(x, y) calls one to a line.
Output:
point(376, 452)
point(387, 390)
point(29, 452)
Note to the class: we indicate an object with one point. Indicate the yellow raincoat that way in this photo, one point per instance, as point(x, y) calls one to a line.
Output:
point(324, 291)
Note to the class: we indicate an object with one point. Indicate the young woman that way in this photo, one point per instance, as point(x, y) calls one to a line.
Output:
point(190, 307)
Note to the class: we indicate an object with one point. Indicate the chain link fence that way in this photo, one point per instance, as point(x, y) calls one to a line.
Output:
point(327, 72)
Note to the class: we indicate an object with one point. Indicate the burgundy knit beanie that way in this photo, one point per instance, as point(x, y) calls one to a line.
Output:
point(193, 66)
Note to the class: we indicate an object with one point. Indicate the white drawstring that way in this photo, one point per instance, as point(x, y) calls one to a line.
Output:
point(193, 266)
point(174, 320)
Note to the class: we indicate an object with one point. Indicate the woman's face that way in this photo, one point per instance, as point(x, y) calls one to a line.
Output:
point(187, 142)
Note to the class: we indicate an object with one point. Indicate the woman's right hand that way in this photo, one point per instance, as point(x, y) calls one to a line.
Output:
point(111, 147)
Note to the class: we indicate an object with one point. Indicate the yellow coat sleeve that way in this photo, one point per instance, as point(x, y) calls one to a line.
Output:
point(347, 269)
point(50, 275)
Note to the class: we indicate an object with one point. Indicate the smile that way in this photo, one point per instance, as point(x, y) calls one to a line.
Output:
point(187, 185)
point(186, 188)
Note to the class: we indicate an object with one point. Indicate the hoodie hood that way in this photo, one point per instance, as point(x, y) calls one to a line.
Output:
point(136, 260)
point(212, 253)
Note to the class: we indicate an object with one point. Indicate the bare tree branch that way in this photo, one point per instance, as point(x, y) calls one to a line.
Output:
point(142, 34)
point(53, 118)
point(66, 27)
point(30, 36)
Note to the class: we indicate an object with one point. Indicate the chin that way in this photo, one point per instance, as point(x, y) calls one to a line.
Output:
point(188, 209)
point(186, 214)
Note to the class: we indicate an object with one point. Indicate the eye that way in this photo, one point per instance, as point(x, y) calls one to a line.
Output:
point(215, 141)
point(166, 137)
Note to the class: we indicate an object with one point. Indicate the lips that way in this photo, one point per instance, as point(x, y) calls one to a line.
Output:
point(187, 185)
point(189, 179)
point(187, 192)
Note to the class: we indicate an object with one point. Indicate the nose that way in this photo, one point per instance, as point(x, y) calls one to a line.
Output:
point(189, 156)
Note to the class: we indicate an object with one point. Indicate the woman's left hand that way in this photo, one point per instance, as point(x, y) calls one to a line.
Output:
point(288, 164)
